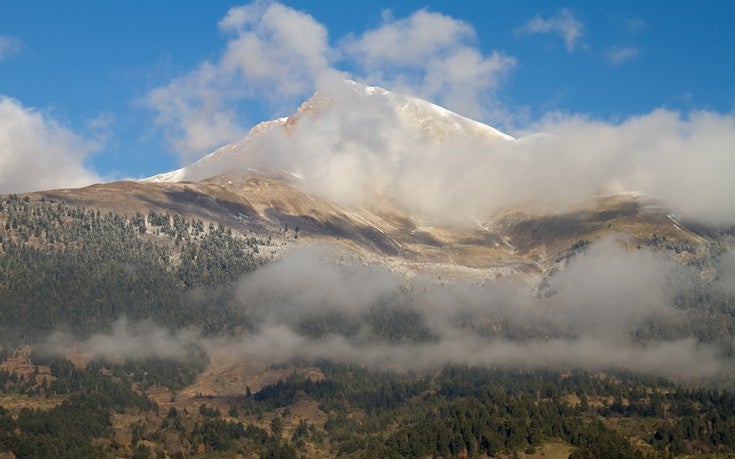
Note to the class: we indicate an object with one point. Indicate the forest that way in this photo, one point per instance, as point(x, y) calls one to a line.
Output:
point(459, 411)
point(79, 271)
point(75, 268)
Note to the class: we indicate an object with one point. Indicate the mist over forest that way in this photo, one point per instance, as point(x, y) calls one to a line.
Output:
point(610, 309)
point(181, 336)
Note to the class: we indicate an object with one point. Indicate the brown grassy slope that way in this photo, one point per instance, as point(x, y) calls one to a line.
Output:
point(520, 242)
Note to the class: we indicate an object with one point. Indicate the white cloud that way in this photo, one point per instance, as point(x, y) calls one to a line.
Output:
point(127, 340)
point(410, 41)
point(433, 56)
point(274, 53)
point(277, 48)
point(280, 55)
point(347, 154)
point(619, 55)
point(37, 153)
point(195, 112)
point(611, 308)
point(684, 160)
point(9, 45)
point(563, 24)
point(635, 25)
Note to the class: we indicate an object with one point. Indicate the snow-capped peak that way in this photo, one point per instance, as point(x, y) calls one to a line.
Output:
point(416, 115)
point(432, 117)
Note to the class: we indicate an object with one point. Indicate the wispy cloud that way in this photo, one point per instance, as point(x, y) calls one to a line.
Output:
point(38, 153)
point(563, 24)
point(9, 45)
point(635, 25)
point(619, 55)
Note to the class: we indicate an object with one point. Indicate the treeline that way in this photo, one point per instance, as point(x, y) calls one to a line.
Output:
point(78, 269)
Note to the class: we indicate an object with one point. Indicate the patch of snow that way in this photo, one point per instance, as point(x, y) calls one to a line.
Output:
point(422, 229)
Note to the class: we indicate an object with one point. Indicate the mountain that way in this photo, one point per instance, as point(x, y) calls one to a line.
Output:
point(257, 185)
point(186, 314)
point(412, 113)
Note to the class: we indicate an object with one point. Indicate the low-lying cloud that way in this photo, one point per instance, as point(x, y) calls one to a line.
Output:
point(142, 340)
point(311, 305)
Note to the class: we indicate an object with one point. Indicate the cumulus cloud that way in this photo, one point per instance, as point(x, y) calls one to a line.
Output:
point(279, 55)
point(563, 24)
point(9, 46)
point(619, 55)
point(195, 111)
point(433, 56)
point(349, 154)
point(273, 53)
point(38, 153)
point(682, 159)
point(281, 50)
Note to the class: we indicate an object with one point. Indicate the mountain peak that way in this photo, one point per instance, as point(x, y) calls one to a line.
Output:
point(411, 116)
point(433, 117)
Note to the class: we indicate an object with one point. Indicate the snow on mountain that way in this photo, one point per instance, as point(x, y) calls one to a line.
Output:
point(227, 158)
point(438, 121)
point(409, 117)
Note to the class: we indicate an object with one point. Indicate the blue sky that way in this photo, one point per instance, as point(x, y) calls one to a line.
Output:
point(108, 90)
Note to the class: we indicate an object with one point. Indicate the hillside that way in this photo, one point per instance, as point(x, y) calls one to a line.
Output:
point(516, 244)
point(179, 348)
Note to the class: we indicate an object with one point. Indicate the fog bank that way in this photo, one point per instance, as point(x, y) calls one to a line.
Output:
point(610, 309)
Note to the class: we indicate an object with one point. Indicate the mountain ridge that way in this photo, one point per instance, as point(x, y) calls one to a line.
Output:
point(235, 186)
